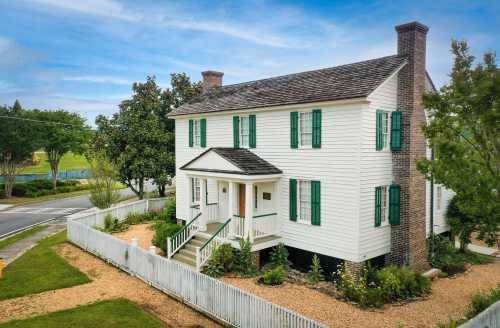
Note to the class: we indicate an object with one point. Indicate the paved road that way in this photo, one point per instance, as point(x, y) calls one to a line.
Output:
point(21, 216)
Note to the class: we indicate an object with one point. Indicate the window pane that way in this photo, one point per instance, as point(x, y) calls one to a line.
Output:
point(196, 132)
point(305, 200)
point(244, 131)
point(305, 126)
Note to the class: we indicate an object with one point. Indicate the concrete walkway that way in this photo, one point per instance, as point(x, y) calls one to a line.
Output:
point(12, 252)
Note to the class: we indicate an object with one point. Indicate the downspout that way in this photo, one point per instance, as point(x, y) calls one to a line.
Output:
point(431, 221)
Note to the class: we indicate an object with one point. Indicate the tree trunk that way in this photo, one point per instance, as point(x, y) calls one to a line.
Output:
point(9, 184)
point(54, 177)
point(161, 190)
point(141, 188)
point(54, 158)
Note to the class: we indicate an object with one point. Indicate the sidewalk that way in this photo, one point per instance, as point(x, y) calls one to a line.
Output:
point(12, 252)
point(481, 250)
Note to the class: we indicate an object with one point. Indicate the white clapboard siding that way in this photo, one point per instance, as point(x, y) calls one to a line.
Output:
point(336, 165)
point(376, 170)
point(201, 292)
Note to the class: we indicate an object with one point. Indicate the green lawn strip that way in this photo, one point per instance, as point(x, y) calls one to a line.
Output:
point(38, 270)
point(114, 313)
point(30, 200)
point(25, 234)
point(68, 162)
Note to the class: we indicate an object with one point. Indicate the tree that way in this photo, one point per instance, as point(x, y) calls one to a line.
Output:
point(182, 90)
point(464, 133)
point(17, 107)
point(132, 139)
point(104, 175)
point(61, 132)
point(462, 225)
point(18, 140)
point(140, 139)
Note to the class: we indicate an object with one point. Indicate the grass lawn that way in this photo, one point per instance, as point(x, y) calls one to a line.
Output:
point(68, 162)
point(32, 200)
point(25, 234)
point(38, 270)
point(115, 313)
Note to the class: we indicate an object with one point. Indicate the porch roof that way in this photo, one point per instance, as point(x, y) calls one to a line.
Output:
point(238, 161)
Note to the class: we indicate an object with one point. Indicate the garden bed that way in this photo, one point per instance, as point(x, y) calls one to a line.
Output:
point(449, 299)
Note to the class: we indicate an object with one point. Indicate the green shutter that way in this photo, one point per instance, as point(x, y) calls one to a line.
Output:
point(394, 204)
point(379, 143)
point(293, 200)
point(294, 129)
point(203, 131)
point(253, 131)
point(236, 131)
point(378, 206)
point(396, 130)
point(315, 203)
point(316, 128)
point(190, 133)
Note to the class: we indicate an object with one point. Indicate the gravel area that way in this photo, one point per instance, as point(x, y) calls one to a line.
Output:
point(141, 231)
point(107, 283)
point(449, 299)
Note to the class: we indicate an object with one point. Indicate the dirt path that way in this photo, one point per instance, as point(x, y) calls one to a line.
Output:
point(107, 283)
point(143, 232)
point(449, 299)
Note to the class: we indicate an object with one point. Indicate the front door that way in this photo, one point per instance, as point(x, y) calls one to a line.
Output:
point(242, 200)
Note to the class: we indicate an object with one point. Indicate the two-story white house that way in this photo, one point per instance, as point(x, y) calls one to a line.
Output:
point(322, 161)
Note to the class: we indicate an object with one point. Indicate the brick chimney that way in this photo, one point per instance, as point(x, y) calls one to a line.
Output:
point(211, 79)
point(408, 239)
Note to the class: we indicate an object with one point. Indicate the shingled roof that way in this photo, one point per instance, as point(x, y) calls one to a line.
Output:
point(248, 162)
point(341, 82)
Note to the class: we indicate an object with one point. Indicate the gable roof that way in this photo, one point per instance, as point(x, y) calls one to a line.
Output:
point(335, 83)
point(247, 162)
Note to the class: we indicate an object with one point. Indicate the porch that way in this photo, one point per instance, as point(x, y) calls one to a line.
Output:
point(237, 200)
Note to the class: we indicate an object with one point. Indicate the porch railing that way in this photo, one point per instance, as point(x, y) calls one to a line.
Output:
point(194, 211)
point(212, 212)
point(265, 225)
point(178, 240)
point(204, 252)
point(238, 226)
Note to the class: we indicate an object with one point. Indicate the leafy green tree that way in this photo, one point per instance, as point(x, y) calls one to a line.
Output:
point(61, 132)
point(182, 90)
point(464, 132)
point(17, 107)
point(18, 140)
point(462, 225)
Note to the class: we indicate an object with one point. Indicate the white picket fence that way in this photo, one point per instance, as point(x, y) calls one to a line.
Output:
point(226, 303)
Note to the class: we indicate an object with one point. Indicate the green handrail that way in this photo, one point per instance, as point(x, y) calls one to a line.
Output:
point(215, 234)
point(185, 227)
point(263, 215)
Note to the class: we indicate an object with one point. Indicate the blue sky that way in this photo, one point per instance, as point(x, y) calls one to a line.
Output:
point(83, 55)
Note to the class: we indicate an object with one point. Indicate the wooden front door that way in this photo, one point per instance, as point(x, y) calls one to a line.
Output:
point(242, 200)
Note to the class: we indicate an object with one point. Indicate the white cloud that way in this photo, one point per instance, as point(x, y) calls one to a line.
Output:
point(99, 79)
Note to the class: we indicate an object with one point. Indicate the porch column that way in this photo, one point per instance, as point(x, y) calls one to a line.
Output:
point(230, 210)
point(203, 204)
point(249, 210)
point(189, 199)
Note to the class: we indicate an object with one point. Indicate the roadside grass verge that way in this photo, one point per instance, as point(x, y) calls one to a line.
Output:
point(114, 313)
point(28, 200)
point(69, 161)
point(38, 270)
point(25, 234)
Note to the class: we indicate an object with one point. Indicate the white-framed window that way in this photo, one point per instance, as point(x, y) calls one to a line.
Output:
point(195, 190)
point(439, 197)
point(384, 217)
point(304, 201)
point(244, 131)
point(385, 129)
point(305, 129)
point(197, 132)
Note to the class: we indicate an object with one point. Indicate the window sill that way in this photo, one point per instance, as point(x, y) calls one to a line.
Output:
point(304, 222)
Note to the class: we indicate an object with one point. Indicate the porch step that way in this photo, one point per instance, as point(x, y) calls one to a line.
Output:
point(187, 254)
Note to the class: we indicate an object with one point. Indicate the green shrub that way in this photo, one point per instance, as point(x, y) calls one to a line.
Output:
point(163, 230)
point(170, 212)
point(315, 275)
point(378, 287)
point(444, 256)
point(274, 276)
point(244, 264)
point(37, 188)
point(482, 301)
point(215, 265)
point(112, 224)
point(279, 257)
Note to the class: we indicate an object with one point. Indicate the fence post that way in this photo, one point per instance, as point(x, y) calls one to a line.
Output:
point(147, 205)
point(198, 259)
point(152, 250)
point(169, 248)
